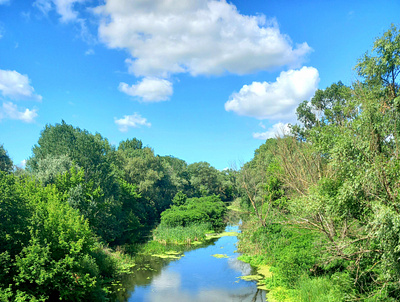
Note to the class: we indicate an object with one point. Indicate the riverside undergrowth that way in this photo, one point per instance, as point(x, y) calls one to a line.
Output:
point(291, 256)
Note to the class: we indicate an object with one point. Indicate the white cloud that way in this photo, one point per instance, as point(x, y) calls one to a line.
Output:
point(279, 129)
point(43, 5)
point(149, 89)
point(206, 37)
point(10, 111)
point(89, 52)
point(22, 164)
point(135, 121)
point(277, 100)
point(16, 85)
point(166, 280)
point(69, 12)
point(65, 8)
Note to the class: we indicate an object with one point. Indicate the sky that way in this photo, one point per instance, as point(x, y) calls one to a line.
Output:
point(196, 79)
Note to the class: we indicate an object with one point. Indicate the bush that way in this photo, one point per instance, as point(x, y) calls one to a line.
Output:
point(196, 210)
point(51, 252)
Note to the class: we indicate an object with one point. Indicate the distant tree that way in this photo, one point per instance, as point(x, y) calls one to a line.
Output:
point(149, 173)
point(205, 179)
point(130, 145)
point(6, 163)
point(178, 173)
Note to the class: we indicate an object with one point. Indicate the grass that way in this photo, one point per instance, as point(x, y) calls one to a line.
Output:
point(188, 235)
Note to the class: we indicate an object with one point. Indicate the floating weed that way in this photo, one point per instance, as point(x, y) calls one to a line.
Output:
point(223, 234)
point(169, 255)
point(251, 278)
point(220, 256)
point(262, 286)
point(264, 270)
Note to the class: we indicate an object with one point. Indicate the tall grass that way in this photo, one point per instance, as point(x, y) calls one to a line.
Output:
point(321, 289)
point(181, 235)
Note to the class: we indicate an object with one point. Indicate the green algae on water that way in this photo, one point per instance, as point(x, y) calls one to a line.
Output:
point(169, 255)
point(220, 256)
point(223, 234)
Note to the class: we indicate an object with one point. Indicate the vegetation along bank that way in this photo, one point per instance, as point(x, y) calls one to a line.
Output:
point(325, 198)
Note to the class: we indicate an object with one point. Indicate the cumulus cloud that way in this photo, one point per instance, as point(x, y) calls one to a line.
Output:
point(149, 89)
point(16, 85)
point(279, 129)
point(10, 111)
point(134, 121)
point(277, 100)
point(200, 37)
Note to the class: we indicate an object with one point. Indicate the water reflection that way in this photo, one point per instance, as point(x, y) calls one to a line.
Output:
point(245, 294)
point(243, 268)
point(198, 276)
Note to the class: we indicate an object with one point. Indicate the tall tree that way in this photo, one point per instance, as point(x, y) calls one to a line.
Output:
point(6, 163)
point(382, 67)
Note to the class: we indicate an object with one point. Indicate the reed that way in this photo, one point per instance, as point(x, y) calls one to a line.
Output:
point(189, 234)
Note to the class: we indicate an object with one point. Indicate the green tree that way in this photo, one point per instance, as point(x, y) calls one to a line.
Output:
point(382, 67)
point(63, 146)
point(206, 181)
point(147, 171)
point(6, 163)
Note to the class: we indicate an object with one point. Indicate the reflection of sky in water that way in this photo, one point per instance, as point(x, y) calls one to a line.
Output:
point(200, 277)
point(166, 281)
point(243, 268)
point(216, 295)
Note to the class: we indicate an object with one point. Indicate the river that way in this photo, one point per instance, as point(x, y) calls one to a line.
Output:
point(198, 276)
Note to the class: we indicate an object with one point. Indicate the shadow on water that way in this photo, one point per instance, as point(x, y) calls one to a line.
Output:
point(208, 272)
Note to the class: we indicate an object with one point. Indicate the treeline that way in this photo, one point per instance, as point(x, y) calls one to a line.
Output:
point(79, 198)
point(328, 195)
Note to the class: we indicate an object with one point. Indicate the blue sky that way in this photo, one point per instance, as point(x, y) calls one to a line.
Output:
point(200, 80)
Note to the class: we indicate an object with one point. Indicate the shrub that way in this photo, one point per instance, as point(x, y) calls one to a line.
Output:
point(196, 210)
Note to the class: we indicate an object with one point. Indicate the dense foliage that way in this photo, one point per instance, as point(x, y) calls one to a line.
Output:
point(79, 194)
point(47, 249)
point(196, 210)
point(327, 195)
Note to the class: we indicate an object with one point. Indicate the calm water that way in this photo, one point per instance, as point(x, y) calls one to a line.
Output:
point(198, 277)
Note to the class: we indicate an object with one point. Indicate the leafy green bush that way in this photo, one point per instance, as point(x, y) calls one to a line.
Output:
point(196, 210)
point(47, 249)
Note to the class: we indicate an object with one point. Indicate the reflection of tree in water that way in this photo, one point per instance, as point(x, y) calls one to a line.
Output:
point(145, 270)
point(148, 267)
point(256, 296)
